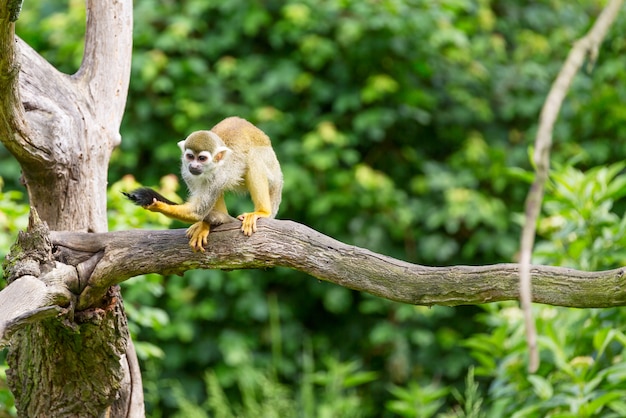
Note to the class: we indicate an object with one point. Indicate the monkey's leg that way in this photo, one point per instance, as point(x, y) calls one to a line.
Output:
point(259, 192)
point(219, 214)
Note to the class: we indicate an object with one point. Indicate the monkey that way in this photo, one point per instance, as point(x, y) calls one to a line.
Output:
point(234, 155)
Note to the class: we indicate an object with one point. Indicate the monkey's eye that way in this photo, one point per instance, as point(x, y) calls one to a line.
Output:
point(189, 156)
point(202, 158)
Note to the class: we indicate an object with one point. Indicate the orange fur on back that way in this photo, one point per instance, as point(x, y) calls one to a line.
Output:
point(238, 133)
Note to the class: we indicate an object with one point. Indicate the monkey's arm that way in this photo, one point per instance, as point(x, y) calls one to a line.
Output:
point(198, 233)
point(184, 212)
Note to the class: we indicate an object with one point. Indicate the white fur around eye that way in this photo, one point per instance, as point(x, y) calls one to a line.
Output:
point(206, 154)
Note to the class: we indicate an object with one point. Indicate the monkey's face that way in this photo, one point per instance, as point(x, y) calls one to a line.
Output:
point(203, 162)
point(197, 163)
point(203, 152)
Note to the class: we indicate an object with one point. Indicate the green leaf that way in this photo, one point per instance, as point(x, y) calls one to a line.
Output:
point(541, 386)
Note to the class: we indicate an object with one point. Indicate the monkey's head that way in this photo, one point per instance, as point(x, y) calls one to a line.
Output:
point(203, 152)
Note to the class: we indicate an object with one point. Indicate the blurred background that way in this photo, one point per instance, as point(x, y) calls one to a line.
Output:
point(402, 126)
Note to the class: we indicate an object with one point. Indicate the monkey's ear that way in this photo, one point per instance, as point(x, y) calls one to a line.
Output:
point(220, 154)
point(181, 145)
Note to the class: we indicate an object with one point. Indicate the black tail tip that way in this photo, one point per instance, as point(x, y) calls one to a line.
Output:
point(143, 196)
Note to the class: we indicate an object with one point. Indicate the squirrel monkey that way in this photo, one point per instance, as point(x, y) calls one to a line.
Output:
point(233, 155)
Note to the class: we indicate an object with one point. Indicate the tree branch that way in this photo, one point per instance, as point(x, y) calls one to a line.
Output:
point(586, 46)
point(62, 129)
point(88, 264)
point(126, 254)
point(12, 115)
point(108, 44)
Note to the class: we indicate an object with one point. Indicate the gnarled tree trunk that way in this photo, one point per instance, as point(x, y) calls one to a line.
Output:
point(62, 129)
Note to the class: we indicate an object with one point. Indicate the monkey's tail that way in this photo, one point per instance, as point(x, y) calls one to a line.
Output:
point(145, 196)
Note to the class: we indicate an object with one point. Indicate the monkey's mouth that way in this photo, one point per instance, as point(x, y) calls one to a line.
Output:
point(195, 171)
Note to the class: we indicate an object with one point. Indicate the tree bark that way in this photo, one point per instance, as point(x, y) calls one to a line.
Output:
point(101, 260)
point(62, 129)
point(278, 243)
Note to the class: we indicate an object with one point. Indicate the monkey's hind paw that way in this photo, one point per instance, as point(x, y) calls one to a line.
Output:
point(198, 235)
point(248, 221)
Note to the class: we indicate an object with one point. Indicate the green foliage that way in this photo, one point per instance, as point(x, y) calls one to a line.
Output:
point(470, 401)
point(13, 218)
point(582, 371)
point(417, 400)
point(327, 393)
point(7, 405)
point(402, 126)
point(581, 227)
point(56, 30)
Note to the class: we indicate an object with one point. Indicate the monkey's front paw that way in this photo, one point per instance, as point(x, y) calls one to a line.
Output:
point(198, 235)
point(155, 206)
point(248, 221)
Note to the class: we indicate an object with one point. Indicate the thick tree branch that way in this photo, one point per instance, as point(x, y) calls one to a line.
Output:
point(91, 263)
point(587, 46)
point(108, 43)
point(126, 254)
point(62, 130)
point(28, 300)
point(41, 119)
point(12, 115)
